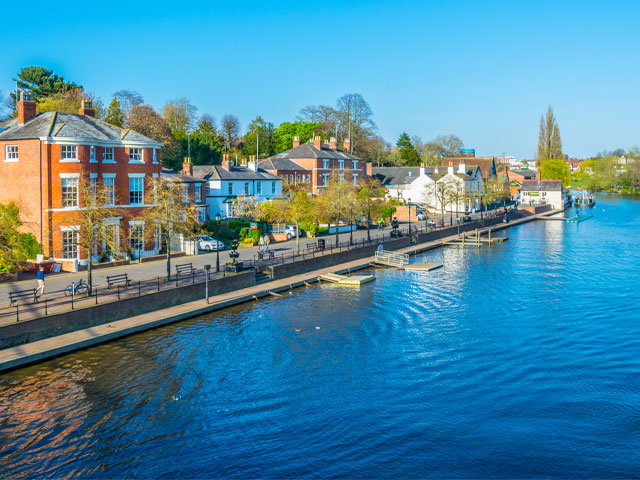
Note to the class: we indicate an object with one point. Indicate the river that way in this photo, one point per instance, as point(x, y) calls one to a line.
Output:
point(517, 360)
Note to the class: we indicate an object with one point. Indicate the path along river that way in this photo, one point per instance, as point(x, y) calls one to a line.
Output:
point(516, 360)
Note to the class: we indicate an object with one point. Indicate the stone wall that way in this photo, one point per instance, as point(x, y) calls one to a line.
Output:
point(52, 325)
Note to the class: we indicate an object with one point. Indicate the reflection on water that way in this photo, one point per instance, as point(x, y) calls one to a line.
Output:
point(515, 360)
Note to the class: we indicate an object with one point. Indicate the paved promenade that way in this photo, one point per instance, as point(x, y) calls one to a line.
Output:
point(35, 351)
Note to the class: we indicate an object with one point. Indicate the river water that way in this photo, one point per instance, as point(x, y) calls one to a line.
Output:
point(516, 360)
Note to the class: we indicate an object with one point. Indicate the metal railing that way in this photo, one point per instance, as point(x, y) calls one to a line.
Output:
point(391, 258)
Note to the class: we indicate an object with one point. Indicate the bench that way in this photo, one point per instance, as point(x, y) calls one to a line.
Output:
point(319, 247)
point(265, 253)
point(184, 268)
point(117, 279)
point(23, 294)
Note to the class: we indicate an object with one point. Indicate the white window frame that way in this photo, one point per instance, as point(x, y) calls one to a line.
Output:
point(355, 164)
point(341, 177)
point(341, 164)
point(63, 178)
point(112, 155)
point(155, 155)
point(11, 153)
point(136, 176)
point(134, 158)
point(230, 190)
point(67, 150)
point(273, 188)
point(136, 224)
point(325, 179)
point(325, 163)
point(185, 193)
point(94, 186)
point(355, 179)
point(198, 193)
point(75, 248)
point(111, 177)
point(258, 188)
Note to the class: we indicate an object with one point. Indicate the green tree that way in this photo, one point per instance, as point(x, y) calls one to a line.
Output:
point(283, 135)
point(206, 144)
point(15, 247)
point(259, 139)
point(336, 202)
point(371, 196)
point(42, 82)
point(407, 152)
point(180, 114)
point(69, 101)
point(146, 121)
point(554, 169)
point(298, 209)
point(549, 142)
point(114, 115)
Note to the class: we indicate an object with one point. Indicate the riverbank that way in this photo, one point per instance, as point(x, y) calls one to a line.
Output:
point(46, 348)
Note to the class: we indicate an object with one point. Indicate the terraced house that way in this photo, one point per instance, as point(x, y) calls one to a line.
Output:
point(43, 159)
point(314, 163)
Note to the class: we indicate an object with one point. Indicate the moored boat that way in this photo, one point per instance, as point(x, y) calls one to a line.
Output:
point(584, 200)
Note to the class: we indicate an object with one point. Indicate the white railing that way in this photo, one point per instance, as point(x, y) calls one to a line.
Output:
point(391, 259)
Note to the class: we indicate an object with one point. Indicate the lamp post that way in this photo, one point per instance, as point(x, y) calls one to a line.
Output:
point(217, 244)
point(206, 282)
point(409, 204)
point(351, 226)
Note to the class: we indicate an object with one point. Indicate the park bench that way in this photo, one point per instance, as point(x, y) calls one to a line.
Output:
point(319, 246)
point(184, 268)
point(265, 253)
point(117, 279)
point(23, 294)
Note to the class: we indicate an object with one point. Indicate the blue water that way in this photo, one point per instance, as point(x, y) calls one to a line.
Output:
point(516, 360)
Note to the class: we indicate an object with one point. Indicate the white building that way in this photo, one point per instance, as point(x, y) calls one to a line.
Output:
point(226, 182)
point(420, 184)
point(541, 192)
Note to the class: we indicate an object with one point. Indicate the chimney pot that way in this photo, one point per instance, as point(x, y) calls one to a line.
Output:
point(296, 141)
point(347, 145)
point(86, 108)
point(332, 143)
point(26, 108)
point(187, 167)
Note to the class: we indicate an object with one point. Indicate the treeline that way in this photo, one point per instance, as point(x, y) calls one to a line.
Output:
point(610, 173)
point(182, 127)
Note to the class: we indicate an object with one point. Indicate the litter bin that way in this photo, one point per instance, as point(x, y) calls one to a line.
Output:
point(321, 244)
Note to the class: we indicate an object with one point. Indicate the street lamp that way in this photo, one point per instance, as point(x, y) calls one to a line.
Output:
point(206, 285)
point(409, 203)
point(217, 244)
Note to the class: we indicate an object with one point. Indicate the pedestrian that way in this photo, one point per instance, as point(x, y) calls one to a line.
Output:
point(261, 243)
point(40, 277)
point(267, 241)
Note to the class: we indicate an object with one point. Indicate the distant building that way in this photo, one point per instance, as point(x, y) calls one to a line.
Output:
point(487, 165)
point(193, 188)
point(515, 178)
point(314, 163)
point(224, 183)
point(541, 192)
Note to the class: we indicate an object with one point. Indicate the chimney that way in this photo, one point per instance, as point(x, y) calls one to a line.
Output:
point(86, 108)
point(187, 167)
point(347, 145)
point(462, 168)
point(252, 164)
point(332, 143)
point(317, 142)
point(296, 141)
point(26, 108)
point(451, 169)
point(369, 169)
point(436, 170)
point(423, 169)
point(226, 163)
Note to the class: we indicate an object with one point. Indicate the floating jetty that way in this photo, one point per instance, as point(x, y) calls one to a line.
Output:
point(421, 267)
point(476, 239)
point(354, 280)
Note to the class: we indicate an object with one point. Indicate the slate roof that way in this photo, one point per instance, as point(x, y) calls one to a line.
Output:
point(542, 185)
point(216, 172)
point(484, 163)
point(174, 176)
point(71, 125)
point(525, 173)
point(275, 163)
point(308, 150)
point(404, 175)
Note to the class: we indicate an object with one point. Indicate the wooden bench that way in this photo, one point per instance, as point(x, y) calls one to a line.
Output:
point(117, 279)
point(317, 248)
point(265, 253)
point(23, 294)
point(184, 268)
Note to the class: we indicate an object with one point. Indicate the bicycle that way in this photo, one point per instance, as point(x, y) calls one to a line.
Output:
point(75, 289)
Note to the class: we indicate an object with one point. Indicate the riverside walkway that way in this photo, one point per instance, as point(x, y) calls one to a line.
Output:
point(32, 352)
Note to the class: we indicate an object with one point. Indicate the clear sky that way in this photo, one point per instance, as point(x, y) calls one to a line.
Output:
point(484, 70)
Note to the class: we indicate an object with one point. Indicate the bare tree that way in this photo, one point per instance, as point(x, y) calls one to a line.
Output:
point(180, 114)
point(230, 130)
point(127, 100)
point(355, 118)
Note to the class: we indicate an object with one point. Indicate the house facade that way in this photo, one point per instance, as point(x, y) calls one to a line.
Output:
point(44, 158)
point(315, 163)
point(542, 192)
point(227, 182)
point(193, 188)
point(515, 179)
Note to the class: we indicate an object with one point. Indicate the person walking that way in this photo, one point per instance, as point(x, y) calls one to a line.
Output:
point(261, 243)
point(40, 277)
point(267, 241)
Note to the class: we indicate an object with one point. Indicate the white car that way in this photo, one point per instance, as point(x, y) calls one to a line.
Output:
point(208, 244)
point(291, 231)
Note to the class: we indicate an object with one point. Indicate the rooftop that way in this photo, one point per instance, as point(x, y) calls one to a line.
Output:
point(308, 150)
point(217, 172)
point(542, 185)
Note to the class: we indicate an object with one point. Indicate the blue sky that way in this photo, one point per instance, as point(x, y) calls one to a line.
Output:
point(484, 70)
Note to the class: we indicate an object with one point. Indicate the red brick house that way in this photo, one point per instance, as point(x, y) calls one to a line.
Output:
point(315, 162)
point(43, 157)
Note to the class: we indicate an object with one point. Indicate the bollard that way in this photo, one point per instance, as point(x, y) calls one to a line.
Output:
point(96, 295)
point(45, 308)
point(139, 288)
point(177, 280)
point(193, 277)
point(118, 291)
point(17, 315)
point(158, 283)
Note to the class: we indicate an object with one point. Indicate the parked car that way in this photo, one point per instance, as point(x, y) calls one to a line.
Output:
point(291, 231)
point(363, 222)
point(208, 244)
point(422, 217)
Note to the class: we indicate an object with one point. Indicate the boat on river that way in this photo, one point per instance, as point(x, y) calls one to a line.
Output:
point(584, 200)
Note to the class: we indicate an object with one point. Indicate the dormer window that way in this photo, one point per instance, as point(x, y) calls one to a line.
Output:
point(135, 155)
point(68, 153)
